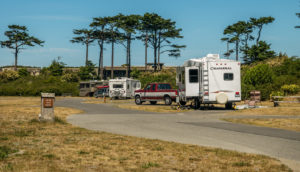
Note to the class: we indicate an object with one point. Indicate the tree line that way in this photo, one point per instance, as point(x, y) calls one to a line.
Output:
point(242, 33)
point(153, 30)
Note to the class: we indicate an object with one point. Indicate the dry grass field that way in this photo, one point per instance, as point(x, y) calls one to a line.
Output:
point(28, 145)
point(284, 109)
point(282, 123)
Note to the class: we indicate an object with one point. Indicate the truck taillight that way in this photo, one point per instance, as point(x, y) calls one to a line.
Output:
point(206, 93)
point(176, 92)
point(237, 94)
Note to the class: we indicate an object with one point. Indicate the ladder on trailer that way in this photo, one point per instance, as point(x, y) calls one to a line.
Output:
point(205, 88)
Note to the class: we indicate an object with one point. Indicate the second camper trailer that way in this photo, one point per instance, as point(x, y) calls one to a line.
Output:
point(123, 87)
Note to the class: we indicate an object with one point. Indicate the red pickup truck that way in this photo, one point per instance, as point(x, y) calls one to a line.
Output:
point(155, 92)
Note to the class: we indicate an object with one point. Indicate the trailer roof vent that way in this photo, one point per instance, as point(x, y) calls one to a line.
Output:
point(215, 56)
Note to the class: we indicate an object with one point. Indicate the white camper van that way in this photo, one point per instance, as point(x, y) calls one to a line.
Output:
point(123, 87)
point(209, 80)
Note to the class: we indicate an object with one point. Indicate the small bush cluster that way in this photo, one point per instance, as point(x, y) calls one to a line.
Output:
point(290, 89)
point(33, 86)
point(272, 80)
point(9, 75)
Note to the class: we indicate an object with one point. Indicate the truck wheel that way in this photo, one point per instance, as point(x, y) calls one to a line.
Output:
point(182, 103)
point(138, 100)
point(228, 105)
point(197, 103)
point(153, 102)
point(168, 100)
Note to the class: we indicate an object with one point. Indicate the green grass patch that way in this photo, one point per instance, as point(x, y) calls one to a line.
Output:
point(149, 165)
point(5, 151)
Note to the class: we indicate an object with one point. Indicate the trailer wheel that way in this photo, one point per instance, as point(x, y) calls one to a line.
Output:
point(138, 100)
point(197, 103)
point(153, 102)
point(168, 100)
point(228, 105)
point(182, 102)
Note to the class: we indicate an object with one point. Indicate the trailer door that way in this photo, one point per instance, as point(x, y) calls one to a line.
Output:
point(192, 80)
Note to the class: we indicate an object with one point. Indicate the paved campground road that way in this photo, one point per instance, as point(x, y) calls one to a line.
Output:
point(198, 127)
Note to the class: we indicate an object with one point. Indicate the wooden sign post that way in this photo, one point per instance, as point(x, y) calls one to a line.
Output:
point(47, 107)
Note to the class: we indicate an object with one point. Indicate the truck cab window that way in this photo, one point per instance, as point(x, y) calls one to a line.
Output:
point(160, 87)
point(228, 76)
point(193, 73)
point(148, 87)
point(153, 87)
point(167, 87)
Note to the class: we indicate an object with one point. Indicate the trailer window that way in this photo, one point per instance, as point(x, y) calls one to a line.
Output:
point(81, 85)
point(193, 75)
point(87, 85)
point(228, 76)
point(118, 86)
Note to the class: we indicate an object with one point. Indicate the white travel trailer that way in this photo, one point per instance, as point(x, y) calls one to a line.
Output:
point(123, 87)
point(209, 80)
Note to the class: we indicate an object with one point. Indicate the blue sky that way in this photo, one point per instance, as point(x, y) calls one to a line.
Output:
point(202, 21)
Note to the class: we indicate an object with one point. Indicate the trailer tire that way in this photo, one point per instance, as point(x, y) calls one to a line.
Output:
point(153, 102)
point(228, 105)
point(138, 100)
point(197, 104)
point(168, 100)
point(182, 102)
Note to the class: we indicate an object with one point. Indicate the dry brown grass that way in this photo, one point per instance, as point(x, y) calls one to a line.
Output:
point(159, 107)
point(287, 124)
point(62, 147)
point(283, 109)
point(99, 100)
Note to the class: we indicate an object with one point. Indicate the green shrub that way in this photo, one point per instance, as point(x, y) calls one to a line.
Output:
point(23, 72)
point(290, 89)
point(9, 75)
point(246, 88)
point(276, 93)
point(56, 68)
point(87, 72)
point(259, 75)
point(135, 73)
point(33, 86)
point(70, 77)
